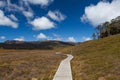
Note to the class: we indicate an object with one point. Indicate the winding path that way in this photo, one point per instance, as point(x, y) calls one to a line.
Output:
point(64, 70)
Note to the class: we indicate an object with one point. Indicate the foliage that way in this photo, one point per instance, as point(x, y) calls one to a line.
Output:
point(109, 28)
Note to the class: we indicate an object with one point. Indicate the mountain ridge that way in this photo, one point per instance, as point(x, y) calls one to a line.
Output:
point(48, 44)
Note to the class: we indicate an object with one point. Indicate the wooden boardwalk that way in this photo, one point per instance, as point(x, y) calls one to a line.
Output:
point(64, 70)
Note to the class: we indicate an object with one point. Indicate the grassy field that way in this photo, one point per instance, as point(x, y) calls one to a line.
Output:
point(93, 60)
point(97, 59)
point(28, 65)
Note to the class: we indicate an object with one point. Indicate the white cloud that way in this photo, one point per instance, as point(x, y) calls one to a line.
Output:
point(20, 38)
point(9, 2)
point(22, 7)
point(28, 14)
point(57, 37)
point(40, 2)
point(41, 36)
point(71, 39)
point(13, 17)
point(56, 15)
point(5, 21)
point(2, 4)
point(2, 37)
point(42, 23)
point(14, 7)
point(86, 38)
point(84, 18)
point(102, 12)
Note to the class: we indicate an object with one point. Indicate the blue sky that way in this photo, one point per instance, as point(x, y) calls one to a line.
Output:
point(66, 20)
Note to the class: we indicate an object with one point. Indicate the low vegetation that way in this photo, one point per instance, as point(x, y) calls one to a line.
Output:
point(93, 60)
point(108, 28)
point(28, 64)
point(97, 59)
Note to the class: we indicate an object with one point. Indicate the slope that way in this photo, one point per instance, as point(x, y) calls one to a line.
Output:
point(97, 59)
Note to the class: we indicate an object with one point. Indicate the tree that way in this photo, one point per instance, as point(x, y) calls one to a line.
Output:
point(94, 36)
point(107, 28)
point(100, 29)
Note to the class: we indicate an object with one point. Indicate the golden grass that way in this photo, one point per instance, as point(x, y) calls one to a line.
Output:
point(5, 50)
point(65, 50)
point(29, 64)
point(97, 59)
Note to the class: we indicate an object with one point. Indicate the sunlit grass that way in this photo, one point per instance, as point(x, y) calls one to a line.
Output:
point(29, 64)
point(5, 50)
point(97, 59)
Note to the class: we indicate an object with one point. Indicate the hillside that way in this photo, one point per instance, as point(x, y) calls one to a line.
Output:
point(13, 44)
point(97, 59)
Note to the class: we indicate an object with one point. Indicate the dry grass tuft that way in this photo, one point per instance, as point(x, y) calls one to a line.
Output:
point(29, 65)
point(97, 59)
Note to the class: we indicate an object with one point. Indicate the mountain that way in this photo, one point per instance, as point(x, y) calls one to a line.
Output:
point(48, 44)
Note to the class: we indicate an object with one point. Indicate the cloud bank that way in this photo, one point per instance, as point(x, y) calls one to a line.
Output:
point(102, 12)
point(47, 21)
